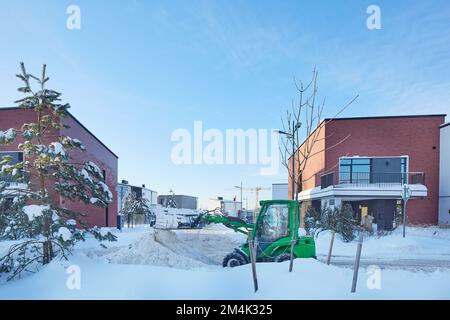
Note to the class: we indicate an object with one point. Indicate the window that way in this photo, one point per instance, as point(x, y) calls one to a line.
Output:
point(274, 223)
point(16, 157)
point(354, 169)
point(368, 170)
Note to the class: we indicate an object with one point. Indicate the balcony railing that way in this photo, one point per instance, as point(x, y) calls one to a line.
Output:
point(371, 178)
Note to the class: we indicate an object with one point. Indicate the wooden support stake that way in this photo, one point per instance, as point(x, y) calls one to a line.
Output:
point(330, 251)
point(253, 260)
point(357, 260)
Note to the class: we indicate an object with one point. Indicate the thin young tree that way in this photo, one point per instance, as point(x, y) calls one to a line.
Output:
point(50, 230)
point(302, 126)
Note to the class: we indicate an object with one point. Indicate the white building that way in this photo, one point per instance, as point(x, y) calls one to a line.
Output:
point(124, 189)
point(280, 191)
point(444, 175)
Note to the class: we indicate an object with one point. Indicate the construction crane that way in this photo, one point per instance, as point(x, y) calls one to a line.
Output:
point(256, 190)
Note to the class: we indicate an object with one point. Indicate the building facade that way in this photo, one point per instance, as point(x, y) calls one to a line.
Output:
point(280, 191)
point(444, 175)
point(366, 161)
point(124, 189)
point(96, 151)
point(181, 201)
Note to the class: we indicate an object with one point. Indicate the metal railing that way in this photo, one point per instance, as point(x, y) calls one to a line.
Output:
point(371, 178)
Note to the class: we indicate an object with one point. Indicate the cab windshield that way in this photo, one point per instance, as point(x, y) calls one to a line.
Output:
point(274, 224)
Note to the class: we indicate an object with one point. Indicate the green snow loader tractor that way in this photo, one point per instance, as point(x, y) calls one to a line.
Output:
point(276, 226)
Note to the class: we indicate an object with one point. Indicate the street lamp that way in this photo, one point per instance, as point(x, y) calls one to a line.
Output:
point(291, 136)
point(295, 127)
point(240, 187)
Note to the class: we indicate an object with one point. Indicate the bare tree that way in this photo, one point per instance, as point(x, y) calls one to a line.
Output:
point(302, 128)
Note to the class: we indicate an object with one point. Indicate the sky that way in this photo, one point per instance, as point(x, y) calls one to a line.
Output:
point(136, 71)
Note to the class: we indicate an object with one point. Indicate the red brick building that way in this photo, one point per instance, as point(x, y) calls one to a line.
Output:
point(96, 151)
point(366, 161)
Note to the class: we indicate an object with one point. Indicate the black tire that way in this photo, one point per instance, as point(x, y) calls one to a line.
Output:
point(244, 256)
point(233, 259)
point(283, 257)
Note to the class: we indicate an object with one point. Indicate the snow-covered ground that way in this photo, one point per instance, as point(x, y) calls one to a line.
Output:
point(185, 264)
point(422, 248)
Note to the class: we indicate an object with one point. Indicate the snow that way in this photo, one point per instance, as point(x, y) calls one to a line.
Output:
point(185, 264)
point(106, 189)
point(168, 218)
point(33, 211)
point(95, 168)
point(423, 243)
point(58, 149)
point(71, 222)
point(8, 135)
point(86, 175)
point(65, 233)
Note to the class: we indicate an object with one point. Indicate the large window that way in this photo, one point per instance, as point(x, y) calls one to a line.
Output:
point(274, 223)
point(373, 170)
point(354, 169)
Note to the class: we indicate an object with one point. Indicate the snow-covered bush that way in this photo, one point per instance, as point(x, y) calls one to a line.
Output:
point(312, 220)
point(48, 230)
point(341, 220)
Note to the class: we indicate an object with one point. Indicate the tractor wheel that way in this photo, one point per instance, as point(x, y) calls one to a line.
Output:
point(233, 259)
point(283, 257)
point(245, 258)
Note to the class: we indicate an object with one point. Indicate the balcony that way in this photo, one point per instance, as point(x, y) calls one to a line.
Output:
point(371, 179)
point(351, 186)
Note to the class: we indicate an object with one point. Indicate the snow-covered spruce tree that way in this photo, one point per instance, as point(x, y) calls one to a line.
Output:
point(135, 205)
point(341, 220)
point(47, 229)
point(346, 223)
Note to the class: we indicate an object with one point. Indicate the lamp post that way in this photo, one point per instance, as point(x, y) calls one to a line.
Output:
point(240, 187)
point(291, 136)
point(295, 127)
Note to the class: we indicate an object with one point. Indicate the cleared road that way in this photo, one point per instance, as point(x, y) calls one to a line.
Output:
point(423, 264)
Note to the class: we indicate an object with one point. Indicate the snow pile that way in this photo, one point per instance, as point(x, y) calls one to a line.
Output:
point(155, 247)
point(170, 218)
point(33, 211)
point(166, 221)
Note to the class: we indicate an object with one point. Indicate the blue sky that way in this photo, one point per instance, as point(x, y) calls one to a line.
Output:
point(138, 70)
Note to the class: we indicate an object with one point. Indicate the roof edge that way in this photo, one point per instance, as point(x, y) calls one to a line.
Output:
point(388, 117)
point(77, 121)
